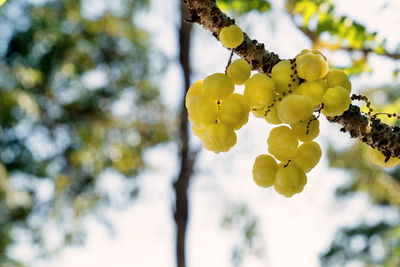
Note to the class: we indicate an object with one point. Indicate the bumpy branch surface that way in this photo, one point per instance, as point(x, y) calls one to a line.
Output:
point(207, 13)
point(381, 136)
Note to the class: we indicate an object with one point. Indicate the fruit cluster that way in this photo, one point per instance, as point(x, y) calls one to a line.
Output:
point(290, 94)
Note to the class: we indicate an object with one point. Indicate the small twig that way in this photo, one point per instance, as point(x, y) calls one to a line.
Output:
point(389, 115)
point(287, 163)
point(366, 100)
point(229, 61)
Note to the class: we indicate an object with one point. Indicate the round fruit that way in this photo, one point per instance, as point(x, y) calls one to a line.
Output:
point(282, 143)
point(336, 77)
point(259, 91)
point(283, 76)
point(219, 137)
point(314, 90)
point(239, 71)
point(264, 170)
point(336, 100)
point(202, 111)
point(194, 90)
point(218, 86)
point(311, 66)
point(231, 36)
point(258, 113)
point(295, 108)
point(289, 180)
point(198, 131)
point(379, 159)
point(234, 111)
point(307, 156)
point(272, 115)
point(304, 134)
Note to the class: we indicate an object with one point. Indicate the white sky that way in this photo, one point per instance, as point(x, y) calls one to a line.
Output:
point(294, 230)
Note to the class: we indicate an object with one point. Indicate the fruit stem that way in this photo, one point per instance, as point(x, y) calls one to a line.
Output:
point(229, 61)
point(287, 163)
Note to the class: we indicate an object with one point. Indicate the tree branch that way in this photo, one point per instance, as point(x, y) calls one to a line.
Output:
point(365, 50)
point(207, 14)
point(383, 137)
point(187, 156)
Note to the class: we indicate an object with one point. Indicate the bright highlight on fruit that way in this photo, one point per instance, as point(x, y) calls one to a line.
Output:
point(311, 65)
point(231, 36)
point(195, 89)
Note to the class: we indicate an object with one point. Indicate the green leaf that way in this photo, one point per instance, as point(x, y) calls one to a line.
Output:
point(240, 7)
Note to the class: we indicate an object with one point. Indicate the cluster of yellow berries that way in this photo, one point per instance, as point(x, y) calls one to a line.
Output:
point(289, 94)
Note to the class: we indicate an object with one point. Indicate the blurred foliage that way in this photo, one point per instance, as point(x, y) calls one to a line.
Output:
point(240, 219)
point(318, 20)
point(375, 243)
point(319, 17)
point(369, 243)
point(241, 7)
point(77, 101)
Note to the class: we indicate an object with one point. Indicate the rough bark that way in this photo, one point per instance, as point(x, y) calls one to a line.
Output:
point(187, 156)
point(383, 137)
point(207, 14)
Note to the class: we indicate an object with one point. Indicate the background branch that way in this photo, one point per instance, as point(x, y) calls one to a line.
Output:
point(383, 137)
point(187, 156)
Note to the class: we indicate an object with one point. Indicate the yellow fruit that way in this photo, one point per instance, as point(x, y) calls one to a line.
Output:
point(259, 91)
point(258, 113)
point(378, 158)
point(311, 66)
point(231, 36)
point(283, 76)
point(317, 52)
point(234, 111)
point(198, 131)
point(295, 108)
point(300, 129)
point(289, 180)
point(314, 90)
point(239, 71)
point(336, 77)
point(194, 90)
point(202, 111)
point(282, 143)
point(272, 115)
point(218, 86)
point(219, 137)
point(307, 156)
point(264, 170)
point(336, 100)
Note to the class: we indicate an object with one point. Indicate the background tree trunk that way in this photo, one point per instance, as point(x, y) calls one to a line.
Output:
point(187, 156)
